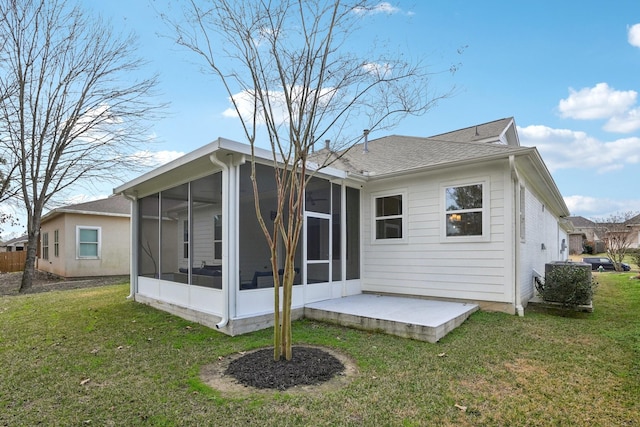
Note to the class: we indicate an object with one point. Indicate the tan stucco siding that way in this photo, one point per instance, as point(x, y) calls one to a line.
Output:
point(114, 253)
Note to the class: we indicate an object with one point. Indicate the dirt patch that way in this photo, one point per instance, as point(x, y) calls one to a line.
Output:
point(44, 282)
point(312, 370)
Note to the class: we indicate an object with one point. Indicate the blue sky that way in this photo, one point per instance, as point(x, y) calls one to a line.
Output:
point(566, 71)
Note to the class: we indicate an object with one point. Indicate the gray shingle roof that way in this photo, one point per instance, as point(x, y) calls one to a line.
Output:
point(116, 204)
point(395, 153)
point(581, 222)
point(112, 205)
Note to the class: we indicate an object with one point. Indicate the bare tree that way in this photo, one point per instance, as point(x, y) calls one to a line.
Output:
point(288, 74)
point(73, 109)
point(615, 230)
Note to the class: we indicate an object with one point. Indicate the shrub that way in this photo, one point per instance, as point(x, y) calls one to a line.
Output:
point(587, 247)
point(569, 285)
point(635, 256)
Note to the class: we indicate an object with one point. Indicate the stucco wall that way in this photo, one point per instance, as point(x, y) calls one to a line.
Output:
point(114, 250)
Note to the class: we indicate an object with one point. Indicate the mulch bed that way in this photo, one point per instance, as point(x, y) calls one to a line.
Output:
point(308, 366)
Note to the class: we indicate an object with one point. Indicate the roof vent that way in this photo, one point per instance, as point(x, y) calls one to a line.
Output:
point(366, 140)
point(477, 134)
point(327, 144)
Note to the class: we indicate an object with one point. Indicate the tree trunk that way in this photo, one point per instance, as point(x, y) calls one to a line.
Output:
point(30, 263)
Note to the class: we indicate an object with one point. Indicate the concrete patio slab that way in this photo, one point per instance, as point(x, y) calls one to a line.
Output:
point(420, 319)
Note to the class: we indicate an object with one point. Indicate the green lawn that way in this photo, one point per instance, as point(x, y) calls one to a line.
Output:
point(91, 357)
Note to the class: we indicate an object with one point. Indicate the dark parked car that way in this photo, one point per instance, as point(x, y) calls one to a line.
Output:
point(606, 263)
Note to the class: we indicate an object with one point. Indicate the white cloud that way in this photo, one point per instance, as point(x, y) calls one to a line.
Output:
point(598, 102)
point(382, 7)
point(625, 123)
point(379, 70)
point(595, 207)
point(277, 102)
point(567, 149)
point(156, 158)
point(633, 35)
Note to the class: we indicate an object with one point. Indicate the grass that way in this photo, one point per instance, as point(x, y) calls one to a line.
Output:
point(91, 357)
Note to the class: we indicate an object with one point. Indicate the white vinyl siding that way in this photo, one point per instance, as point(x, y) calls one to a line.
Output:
point(424, 265)
point(543, 243)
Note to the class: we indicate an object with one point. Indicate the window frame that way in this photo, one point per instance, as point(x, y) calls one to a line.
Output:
point(45, 245)
point(402, 193)
point(56, 243)
point(79, 243)
point(485, 211)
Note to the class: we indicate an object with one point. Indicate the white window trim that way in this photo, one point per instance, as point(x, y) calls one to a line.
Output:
point(403, 216)
point(87, 227)
point(486, 211)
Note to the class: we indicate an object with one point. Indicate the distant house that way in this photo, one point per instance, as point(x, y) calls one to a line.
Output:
point(15, 245)
point(585, 230)
point(87, 239)
point(634, 228)
point(469, 215)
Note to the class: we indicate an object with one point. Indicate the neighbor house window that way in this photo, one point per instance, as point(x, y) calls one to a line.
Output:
point(465, 210)
point(56, 243)
point(88, 242)
point(45, 245)
point(389, 217)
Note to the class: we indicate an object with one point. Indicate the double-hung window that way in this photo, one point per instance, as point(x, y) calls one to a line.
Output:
point(56, 243)
point(389, 217)
point(88, 242)
point(466, 211)
point(45, 245)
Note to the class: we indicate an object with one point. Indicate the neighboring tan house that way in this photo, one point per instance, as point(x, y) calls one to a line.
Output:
point(468, 215)
point(87, 239)
point(15, 245)
point(634, 228)
point(585, 230)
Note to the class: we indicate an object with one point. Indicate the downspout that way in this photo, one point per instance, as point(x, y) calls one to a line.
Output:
point(133, 246)
point(515, 178)
point(225, 221)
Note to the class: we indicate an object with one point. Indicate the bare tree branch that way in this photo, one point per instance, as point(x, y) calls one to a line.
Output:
point(72, 109)
point(616, 232)
point(287, 73)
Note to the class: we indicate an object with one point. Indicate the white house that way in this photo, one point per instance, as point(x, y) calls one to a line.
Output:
point(463, 216)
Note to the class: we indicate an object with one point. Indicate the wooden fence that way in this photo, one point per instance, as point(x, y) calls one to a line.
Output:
point(12, 261)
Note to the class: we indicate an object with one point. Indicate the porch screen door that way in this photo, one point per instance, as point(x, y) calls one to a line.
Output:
point(318, 248)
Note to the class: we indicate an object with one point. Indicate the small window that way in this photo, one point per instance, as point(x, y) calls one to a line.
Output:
point(45, 245)
point(464, 210)
point(88, 242)
point(389, 217)
point(56, 243)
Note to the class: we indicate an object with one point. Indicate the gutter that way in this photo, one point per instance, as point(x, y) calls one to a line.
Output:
point(133, 247)
point(225, 227)
point(517, 301)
